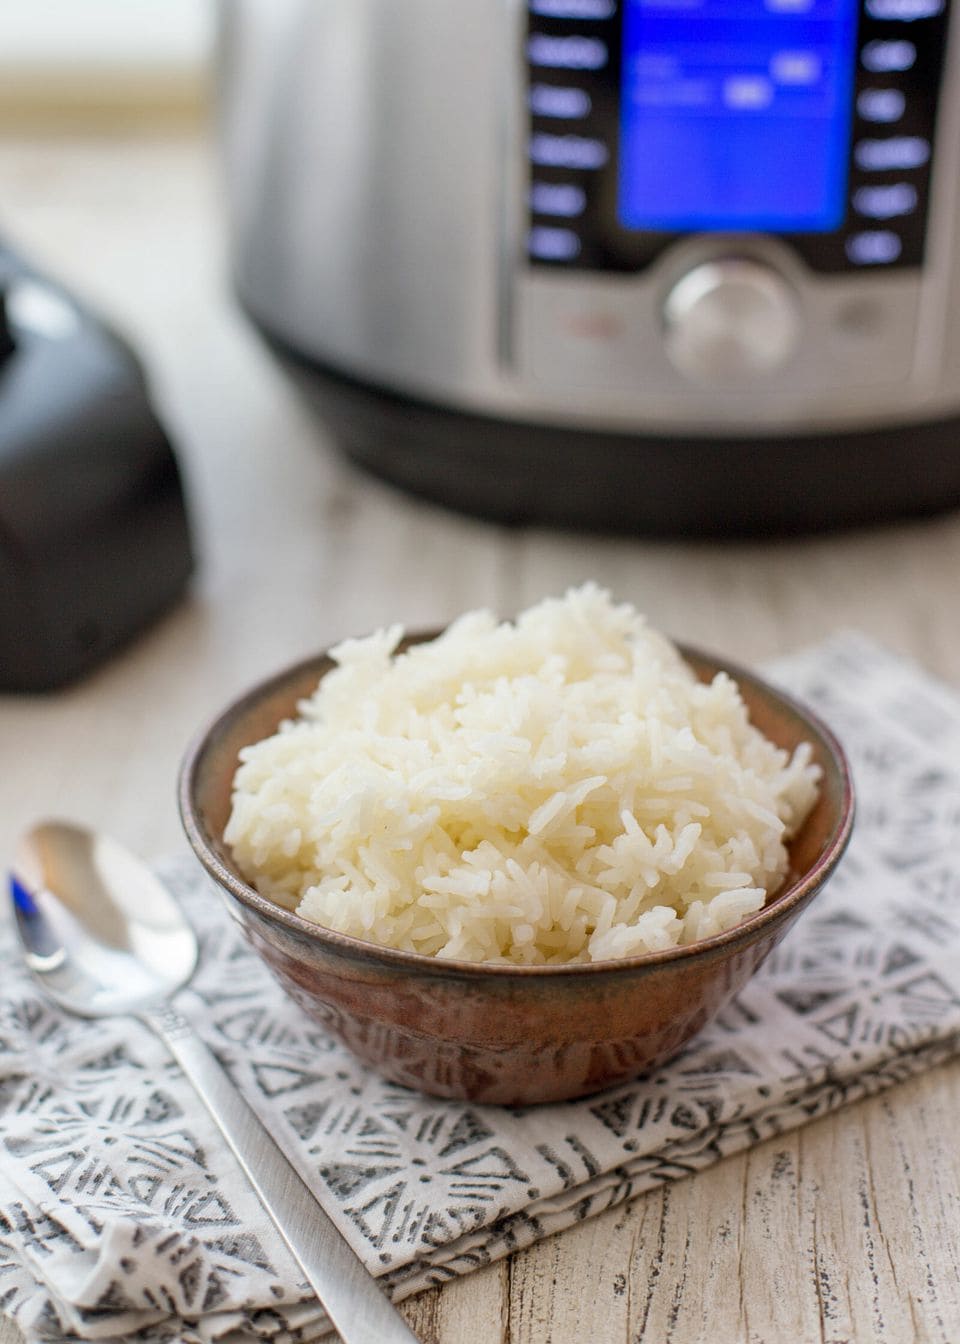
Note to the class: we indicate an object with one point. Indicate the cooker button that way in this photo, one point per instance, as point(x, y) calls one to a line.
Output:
point(730, 319)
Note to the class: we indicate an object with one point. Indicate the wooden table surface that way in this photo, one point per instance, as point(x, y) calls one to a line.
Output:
point(848, 1229)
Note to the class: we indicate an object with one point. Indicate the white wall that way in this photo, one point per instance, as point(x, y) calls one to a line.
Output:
point(107, 51)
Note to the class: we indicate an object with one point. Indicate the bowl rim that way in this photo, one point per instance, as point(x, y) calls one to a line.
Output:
point(788, 898)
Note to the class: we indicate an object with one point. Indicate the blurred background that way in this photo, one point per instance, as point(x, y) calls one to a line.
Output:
point(191, 524)
point(105, 62)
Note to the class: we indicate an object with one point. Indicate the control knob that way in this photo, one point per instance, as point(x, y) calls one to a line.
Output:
point(729, 320)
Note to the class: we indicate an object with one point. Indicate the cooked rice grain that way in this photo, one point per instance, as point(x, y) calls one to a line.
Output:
point(557, 789)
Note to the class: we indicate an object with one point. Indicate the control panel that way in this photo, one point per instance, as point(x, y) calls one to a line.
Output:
point(813, 121)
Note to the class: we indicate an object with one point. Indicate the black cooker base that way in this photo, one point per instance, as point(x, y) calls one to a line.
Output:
point(653, 486)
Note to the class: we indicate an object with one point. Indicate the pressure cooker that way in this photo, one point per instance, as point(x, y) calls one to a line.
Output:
point(675, 267)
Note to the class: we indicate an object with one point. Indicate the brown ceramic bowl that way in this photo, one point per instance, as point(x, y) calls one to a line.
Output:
point(494, 1033)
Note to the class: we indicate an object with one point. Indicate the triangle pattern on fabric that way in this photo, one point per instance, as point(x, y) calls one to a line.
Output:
point(804, 1000)
point(274, 1080)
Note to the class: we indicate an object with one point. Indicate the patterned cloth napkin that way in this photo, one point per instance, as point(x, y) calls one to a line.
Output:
point(122, 1214)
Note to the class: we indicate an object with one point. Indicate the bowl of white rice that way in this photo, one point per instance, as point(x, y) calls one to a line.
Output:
point(516, 861)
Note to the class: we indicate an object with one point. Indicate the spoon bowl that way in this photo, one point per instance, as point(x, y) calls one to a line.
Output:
point(99, 930)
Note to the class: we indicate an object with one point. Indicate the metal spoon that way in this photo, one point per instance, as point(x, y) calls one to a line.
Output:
point(104, 937)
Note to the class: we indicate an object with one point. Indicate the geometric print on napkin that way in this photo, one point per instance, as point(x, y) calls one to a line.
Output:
point(122, 1211)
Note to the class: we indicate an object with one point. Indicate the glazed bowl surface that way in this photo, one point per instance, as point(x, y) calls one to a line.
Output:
point(491, 1033)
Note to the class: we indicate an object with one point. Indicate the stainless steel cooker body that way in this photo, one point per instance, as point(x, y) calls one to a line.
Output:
point(380, 159)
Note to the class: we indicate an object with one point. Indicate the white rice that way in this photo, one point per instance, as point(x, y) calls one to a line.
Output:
point(557, 789)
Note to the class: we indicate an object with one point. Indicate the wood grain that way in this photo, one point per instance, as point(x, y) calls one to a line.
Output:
point(847, 1230)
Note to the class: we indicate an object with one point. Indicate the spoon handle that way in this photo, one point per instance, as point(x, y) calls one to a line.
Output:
point(354, 1303)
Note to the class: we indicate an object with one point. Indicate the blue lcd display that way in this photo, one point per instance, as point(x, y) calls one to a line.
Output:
point(736, 114)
